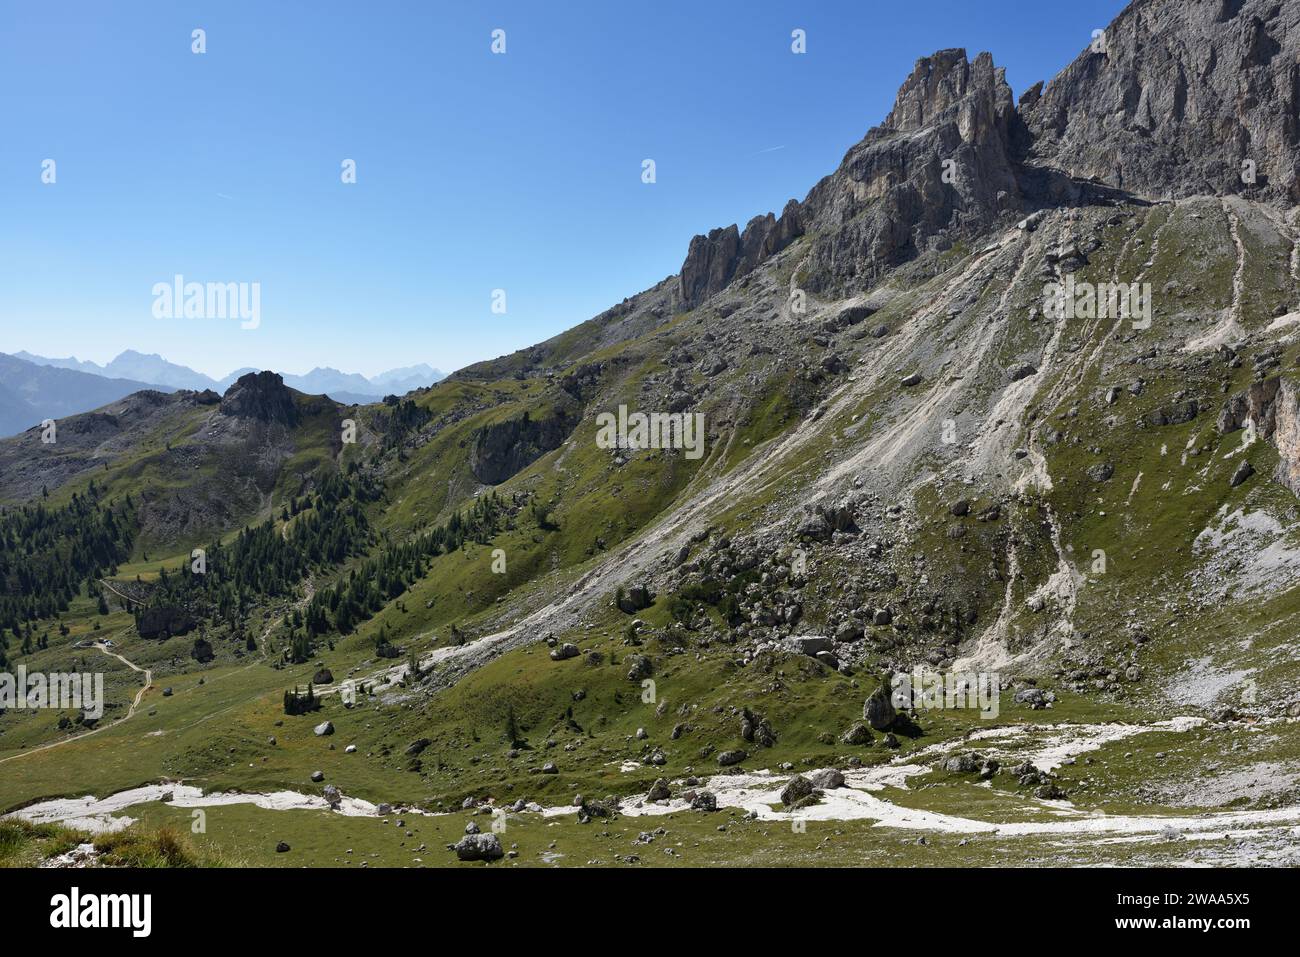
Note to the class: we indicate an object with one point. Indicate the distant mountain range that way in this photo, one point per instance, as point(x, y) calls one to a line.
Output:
point(31, 393)
point(156, 370)
point(34, 388)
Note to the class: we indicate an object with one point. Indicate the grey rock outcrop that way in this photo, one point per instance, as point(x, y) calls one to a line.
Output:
point(502, 449)
point(1130, 117)
point(940, 166)
point(1273, 405)
point(262, 396)
point(1175, 97)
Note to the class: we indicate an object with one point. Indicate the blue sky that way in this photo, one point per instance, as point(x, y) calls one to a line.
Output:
point(475, 171)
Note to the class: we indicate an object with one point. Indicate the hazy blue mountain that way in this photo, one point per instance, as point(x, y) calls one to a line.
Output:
point(154, 370)
point(157, 370)
point(71, 362)
point(16, 413)
point(30, 393)
point(326, 381)
point(402, 381)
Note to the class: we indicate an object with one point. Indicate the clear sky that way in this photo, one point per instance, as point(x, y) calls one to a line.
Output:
point(475, 171)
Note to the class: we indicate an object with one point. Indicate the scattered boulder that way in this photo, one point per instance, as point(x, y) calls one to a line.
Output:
point(704, 801)
point(809, 645)
point(479, 847)
point(796, 789)
point(323, 729)
point(857, 735)
point(852, 315)
point(849, 631)
point(968, 763)
point(1244, 471)
point(728, 758)
point(639, 668)
point(879, 709)
point(635, 599)
point(1035, 698)
point(1022, 372)
point(827, 779)
point(828, 659)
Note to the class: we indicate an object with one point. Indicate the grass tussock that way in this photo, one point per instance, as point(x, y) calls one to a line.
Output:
point(24, 844)
point(138, 846)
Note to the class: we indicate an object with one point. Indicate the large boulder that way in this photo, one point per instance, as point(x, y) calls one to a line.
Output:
point(796, 789)
point(704, 801)
point(564, 652)
point(809, 644)
point(878, 711)
point(479, 847)
point(635, 599)
point(827, 779)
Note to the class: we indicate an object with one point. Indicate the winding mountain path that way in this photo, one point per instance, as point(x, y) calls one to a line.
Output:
point(130, 712)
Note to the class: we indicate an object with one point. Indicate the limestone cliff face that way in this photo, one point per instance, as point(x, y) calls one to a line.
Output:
point(714, 260)
point(939, 168)
point(1173, 100)
point(508, 447)
point(1274, 406)
point(1177, 97)
point(1286, 435)
point(939, 164)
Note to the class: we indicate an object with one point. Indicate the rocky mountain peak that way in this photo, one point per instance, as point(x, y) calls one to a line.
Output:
point(947, 80)
point(262, 396)
point(1130, 117)
point(893, 192)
